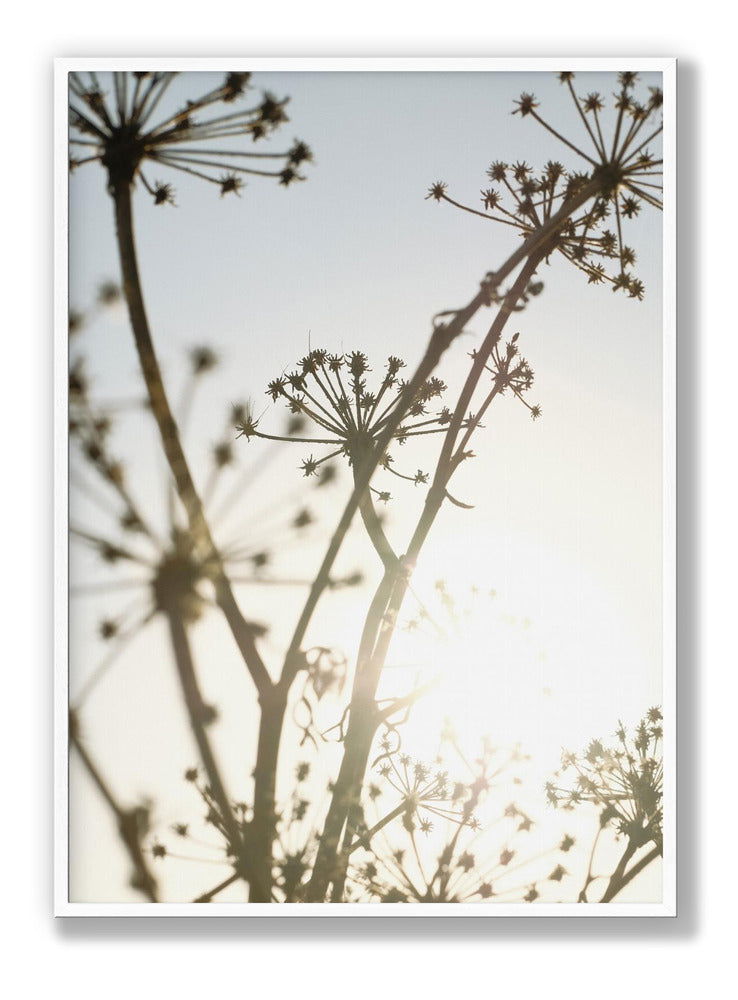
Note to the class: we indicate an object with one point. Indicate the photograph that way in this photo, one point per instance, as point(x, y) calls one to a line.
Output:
point(365, 405)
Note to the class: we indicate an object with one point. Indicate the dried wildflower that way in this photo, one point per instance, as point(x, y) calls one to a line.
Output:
point(302, 519)
point(76, 321)
point(452, 863)
point(294, 846)
point(620, 175)
point(526, 105)
point(173, 575)
point(163, 194)
point(330, 391)
point(175, 584)
point(624, 780)
point(230, 183)
point(423, 789)
point(510, 371)
point(437, 191)
point(77, 382)
point(223, 454)
point(117, 130)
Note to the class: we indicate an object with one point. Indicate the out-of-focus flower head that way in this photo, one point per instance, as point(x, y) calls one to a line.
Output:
point(457, 858)
point(624, 779)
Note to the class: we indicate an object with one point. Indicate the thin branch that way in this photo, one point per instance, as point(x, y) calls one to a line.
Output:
point(129, 820)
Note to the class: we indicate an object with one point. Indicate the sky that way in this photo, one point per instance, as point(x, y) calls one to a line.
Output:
point(566, 522)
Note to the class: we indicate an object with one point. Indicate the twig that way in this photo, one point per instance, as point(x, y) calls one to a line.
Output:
point(129, 820)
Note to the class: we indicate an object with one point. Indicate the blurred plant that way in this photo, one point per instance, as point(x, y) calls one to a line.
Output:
point(133, 823)
point(173, 571)
point(296, 837)
point(433, 847)
point(108, 294)
point(173, 578)
point(466, 868)
point(116, 134)
point(625, 782)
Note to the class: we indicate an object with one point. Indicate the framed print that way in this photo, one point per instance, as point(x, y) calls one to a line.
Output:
point(365, 487)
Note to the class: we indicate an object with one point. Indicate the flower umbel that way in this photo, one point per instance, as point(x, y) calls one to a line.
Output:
point(625, 780)
point(452, 862)
point(150, 572)
point(619, 174)
point(510, 371)
point(117, 131)
point(330, 390)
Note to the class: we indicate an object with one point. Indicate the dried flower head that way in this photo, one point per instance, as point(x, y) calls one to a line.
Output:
point(625, 780)
point(458, 859)
point(618, 175)
point(117, 130)
point(510, 371)
point(330, 391)
point(167, 573)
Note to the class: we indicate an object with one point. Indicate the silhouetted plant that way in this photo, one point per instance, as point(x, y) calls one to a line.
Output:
point(171, 573)
point(116, 134)
point(354, 417)
point(625, 173)
point(555, 210)
point(119, 133)
point(625, 782)
point(547, 226)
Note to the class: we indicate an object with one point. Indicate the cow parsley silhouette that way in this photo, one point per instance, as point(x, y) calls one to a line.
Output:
point(619, 174)
point(118, 131)
point(433, 848)
point(330, 390)
point(625, 782)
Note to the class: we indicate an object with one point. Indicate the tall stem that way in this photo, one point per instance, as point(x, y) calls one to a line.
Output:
point(197, 715)
point(379, 629)
point(441, 339)
point(263, 824)
point(620, 877)
point(129, 820)
point(161, 410)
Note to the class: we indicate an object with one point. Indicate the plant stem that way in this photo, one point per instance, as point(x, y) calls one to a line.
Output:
point(242, 632)
point(129, 820)
point(620, 877)
point(207, 897)
point(195, 711)
point(441, 339)
point(379, 626)
point(263, 824)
